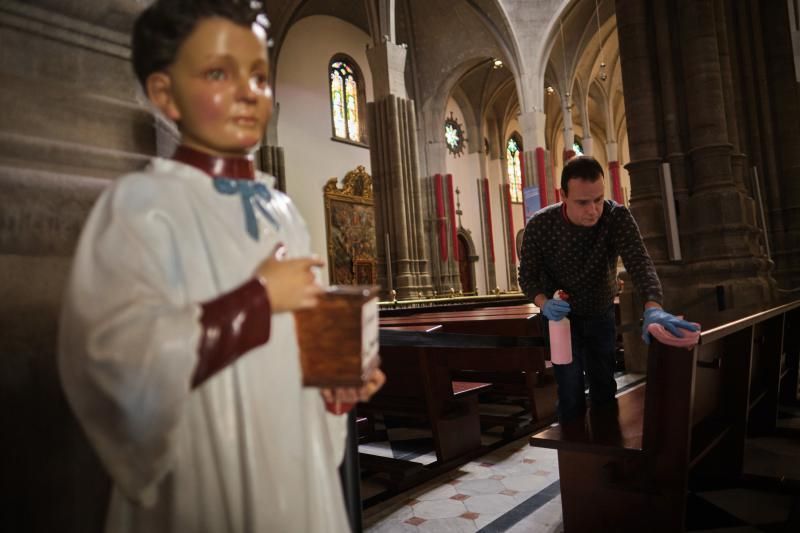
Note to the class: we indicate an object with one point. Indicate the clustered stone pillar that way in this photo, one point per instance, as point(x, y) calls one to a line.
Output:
point(692, 127)
point(487, 231)
point(724, 241)
point(490, 150)
point(783, 98)
point(442, 232)
point(569, 134)
point(587, 142)
point(510, 231)
point(395, 168)
point(537, 160)
point(270, 160)
point(612, 155)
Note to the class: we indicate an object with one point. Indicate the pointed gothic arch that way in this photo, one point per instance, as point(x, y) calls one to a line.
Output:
point(467, 260)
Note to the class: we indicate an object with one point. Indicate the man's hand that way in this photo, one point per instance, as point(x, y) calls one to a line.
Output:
point(555, 310)
point(671, 323)
point(290, 283)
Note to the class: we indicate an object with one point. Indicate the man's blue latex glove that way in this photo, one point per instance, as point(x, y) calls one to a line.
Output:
point(671, 323)
point(555, 310)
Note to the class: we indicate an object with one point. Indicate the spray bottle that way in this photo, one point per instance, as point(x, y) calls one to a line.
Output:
point(560, 336)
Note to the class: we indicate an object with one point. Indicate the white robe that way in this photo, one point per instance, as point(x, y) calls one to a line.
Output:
point(249, 450)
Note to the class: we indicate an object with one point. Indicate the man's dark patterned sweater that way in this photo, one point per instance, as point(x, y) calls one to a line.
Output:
point(582, 261)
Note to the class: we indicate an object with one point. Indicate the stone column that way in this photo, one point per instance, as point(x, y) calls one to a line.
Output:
point(270, 160)
point(569, 133)
point(395, 169)
point(510, 231)
point(588, 144)
point(784, 100)
point(755, 111)
point(487, 231)
point(645, 137)
point(612, 154)
point(270, 156)
point(719, 239)
point(673, 108)
point(587, 141)
point(738, 159)
point(538, 170)
point(721, 214)
point(485, 206)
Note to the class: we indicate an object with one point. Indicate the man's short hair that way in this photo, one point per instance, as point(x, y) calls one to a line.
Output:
point(161, 29)
point(584, 167)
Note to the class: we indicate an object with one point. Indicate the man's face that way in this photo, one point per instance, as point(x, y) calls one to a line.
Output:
point(585, 201)
point(219, 88)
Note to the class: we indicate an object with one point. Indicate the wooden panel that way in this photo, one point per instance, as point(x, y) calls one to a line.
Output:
point(608, 430)
point(791, 367)
point(765, 376)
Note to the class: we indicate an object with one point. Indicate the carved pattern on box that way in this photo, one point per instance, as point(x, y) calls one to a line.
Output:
point(338, 338)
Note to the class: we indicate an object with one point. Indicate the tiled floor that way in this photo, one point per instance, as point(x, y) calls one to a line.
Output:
point(476, 495)
point(515, 489)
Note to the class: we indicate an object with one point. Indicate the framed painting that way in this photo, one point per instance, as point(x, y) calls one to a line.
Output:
point(350, 229)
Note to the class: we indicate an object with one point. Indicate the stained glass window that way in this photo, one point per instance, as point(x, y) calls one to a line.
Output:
point(513, 149)
point(577, 146)
point(344, 101)
point(453, 135)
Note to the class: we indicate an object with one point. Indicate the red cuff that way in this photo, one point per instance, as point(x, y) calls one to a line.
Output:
point(233, 324)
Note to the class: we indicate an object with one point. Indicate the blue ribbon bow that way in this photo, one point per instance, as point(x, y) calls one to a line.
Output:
point(255, 197)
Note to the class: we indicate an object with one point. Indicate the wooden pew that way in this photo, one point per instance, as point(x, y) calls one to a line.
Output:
point(627, 467)
point(420, 369)
point(527, 309)
point(531, 379)
point(508, 322)
point(451, 310)
point(416, 385)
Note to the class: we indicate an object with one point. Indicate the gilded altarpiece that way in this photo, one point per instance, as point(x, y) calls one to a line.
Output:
point(350, 229)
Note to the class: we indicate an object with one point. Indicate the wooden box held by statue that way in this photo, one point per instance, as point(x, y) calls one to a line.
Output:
point(339, 338)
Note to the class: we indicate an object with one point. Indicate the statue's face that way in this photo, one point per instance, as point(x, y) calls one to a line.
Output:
point(218, 88)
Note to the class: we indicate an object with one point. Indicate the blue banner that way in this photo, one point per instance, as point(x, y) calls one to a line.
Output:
point(530, 195)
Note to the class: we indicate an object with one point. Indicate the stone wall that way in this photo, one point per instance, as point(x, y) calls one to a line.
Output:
point(71, 120)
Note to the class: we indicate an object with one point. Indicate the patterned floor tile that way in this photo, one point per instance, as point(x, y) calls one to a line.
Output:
point(439, 509)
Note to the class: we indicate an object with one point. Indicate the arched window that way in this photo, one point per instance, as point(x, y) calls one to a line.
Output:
point(513, 153)
point(346, 99)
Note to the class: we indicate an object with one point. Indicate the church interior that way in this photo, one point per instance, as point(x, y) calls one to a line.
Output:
point(416, 138)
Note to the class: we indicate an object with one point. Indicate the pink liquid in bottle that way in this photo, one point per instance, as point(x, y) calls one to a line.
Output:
point(560, 337)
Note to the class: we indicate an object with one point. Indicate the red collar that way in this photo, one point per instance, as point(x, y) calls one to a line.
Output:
point(240, 168)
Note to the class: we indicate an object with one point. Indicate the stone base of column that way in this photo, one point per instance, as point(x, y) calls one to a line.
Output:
point(721, 224)
point(787, 273)
point(405, 288)
point(448, 279)
point(425, 287)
